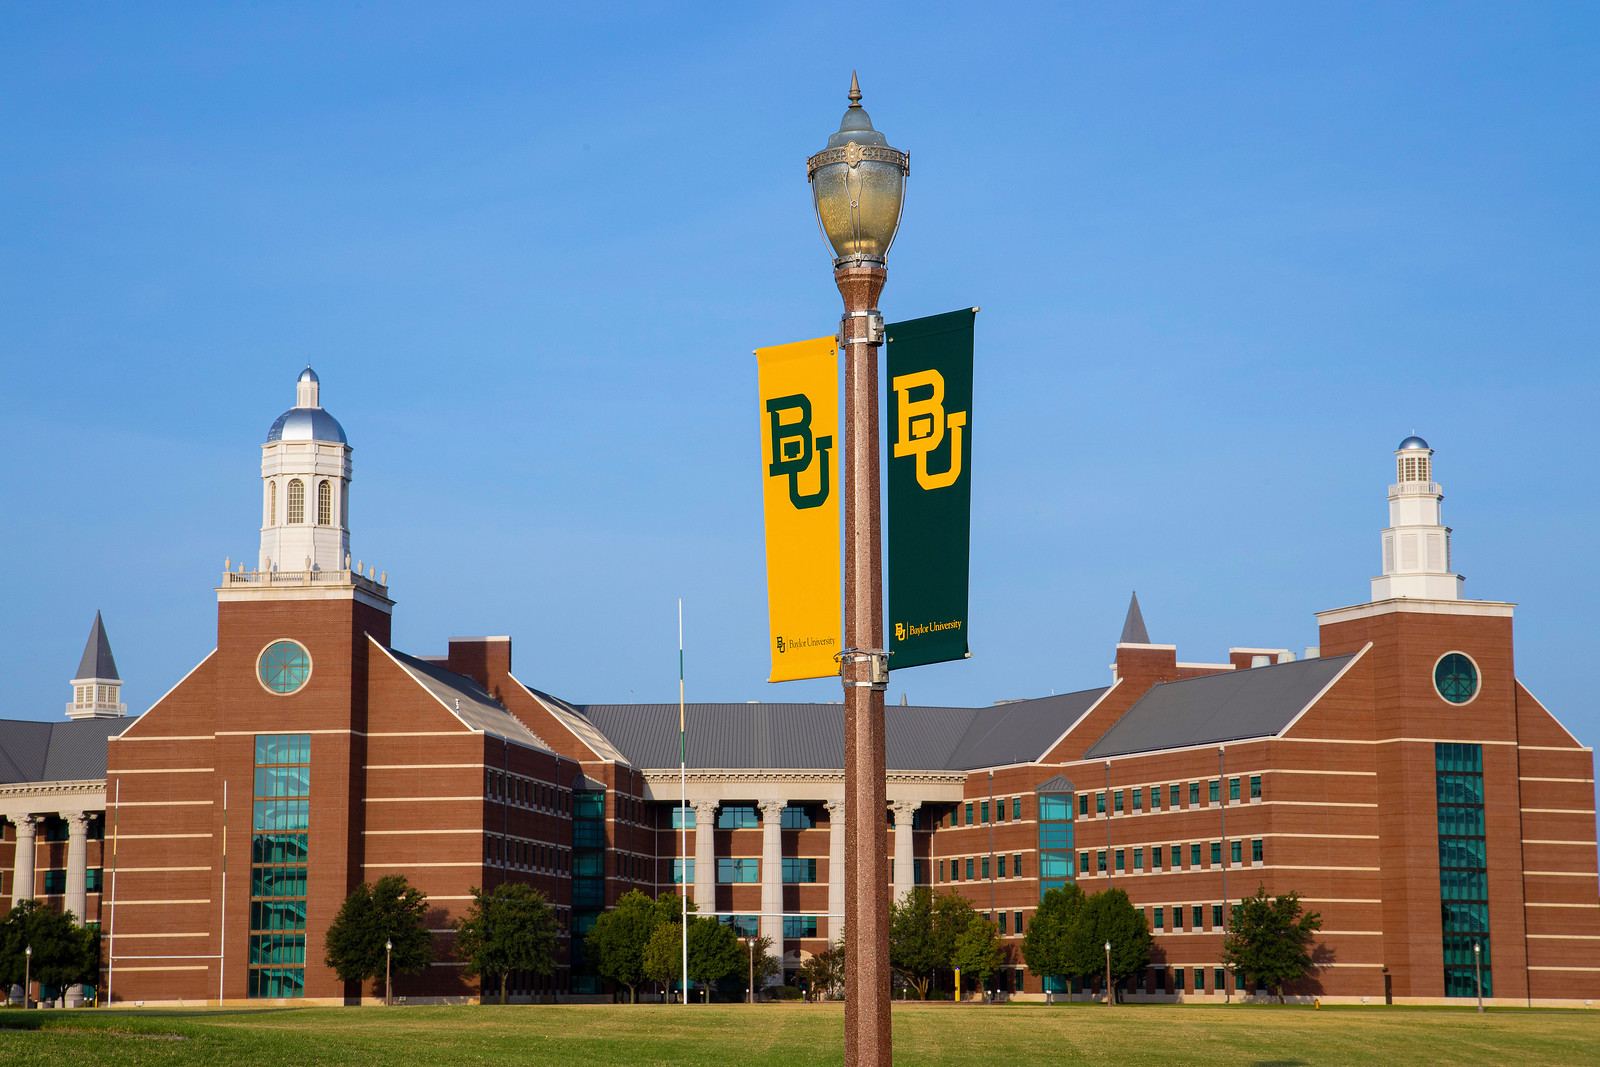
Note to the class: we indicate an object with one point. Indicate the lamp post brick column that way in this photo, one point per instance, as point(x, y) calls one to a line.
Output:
point(836, 832)
point(858, 184)
point(22, 874)
point(705, 855)
point(905, 871)
point(771, 924)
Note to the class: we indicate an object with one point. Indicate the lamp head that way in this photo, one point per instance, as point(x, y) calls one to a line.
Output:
point(858, 187)
point(28, 951)
point(1108, 946)
point(388, 944)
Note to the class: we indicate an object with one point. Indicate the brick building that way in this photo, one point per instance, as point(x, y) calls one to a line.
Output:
point(1398, 776)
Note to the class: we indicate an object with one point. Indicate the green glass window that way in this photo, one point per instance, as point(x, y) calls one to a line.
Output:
point(1216, 853)
point(1053, 807)
point(1194, 855)
point(1236, 853)
point(1216, 791)
point(738, 817)
point(1121, 860)
point(278, 871)
point(1257, 854)
point(1155, 798)
point(985, 868)
point(985, 811)
point(1233, 789)
point(55, 882)
point(1218, 978)
point(1101, 856)
point(1100, 803)
point(1016, 864)
point(1255, 787)
point(1194, 794)
point(1138, 800)
point(796, 817)
point(284, 666)
point(1119, 799)
point(1174, 795)
point(1083, 803)
point(1159, 918)
point(799, 869)
point(743, 925)
point(1016, 921)
point(969, 870)
point(96, 879)
point(1177, 979)
point(1016, 807)
point(1083, 862)
point(1197, 916)
point(1455, 678)
point(1138, 859)
point(738, 870)
point(1002, 871)
point(678, 872)
point(941, 870)
point(1155, 857)
point(682, 818)
point(799, 926)
point(1199, 979)
point(1002, 918)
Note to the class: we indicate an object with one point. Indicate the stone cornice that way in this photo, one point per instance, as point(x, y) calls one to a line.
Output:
point(92, 790)
point(664, 776)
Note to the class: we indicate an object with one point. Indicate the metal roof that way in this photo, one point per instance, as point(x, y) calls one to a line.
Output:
point(97, 661)
point(56, 751)
point(468, 701)
point(1133, 628)
point(1059, 784)
point(811, 736)
point(1216, 708)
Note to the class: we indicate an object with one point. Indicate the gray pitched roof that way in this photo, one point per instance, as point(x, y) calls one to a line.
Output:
point(1216, 708)
point(56, 751)
point(468, 700)
point(97, 661)
point(811, 736)
point(1133, 629)
point(1059, 784)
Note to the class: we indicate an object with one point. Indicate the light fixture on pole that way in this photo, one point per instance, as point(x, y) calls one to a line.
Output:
point(27, 976)
point(750, 943)
point(1477, 970)
point(388, 953)
point(1109, 994)
point(858, 188)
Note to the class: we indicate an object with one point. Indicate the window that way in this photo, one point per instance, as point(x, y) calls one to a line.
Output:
point(1463, 867)
point(797, 870)
point(278, 871)
point(969, 870)
point(1160, 917)
point(1233, 789)
point(969, 814)
point(796, 817)
point(1083, 863)
point(738, 817)
point(1002, 920)
point(1177, 979)
point(1216, 791)
point(1155, 858)
point(1216, 916)
point(799, 926)
point(1119, 800)
point(272, 503)
point(1219, 978)
point(1100, 803)
point(985, 811)
point(1456, 678)
point(1173, 796)
point(1237, 855)
point(1016, 865)
point(985, 867)
point(1255, 787)
point(1016, 921)
point(55, 882)
point(284, 666)
point(1120, 860)
point(297, 500)
point(1138, 859)
point(1102, 859)
point(1194, 794)
point(1016, 808)
point(1177, 916)
point(738, 870)
point(1216, 853)
point(1194, 855)
point(1138, 800)
point(96, 879)
point(1002, 871)
point(324, 504)
point(1197, 918)
point(941, 870)
point(1000, 810)
point(743, 925)
point(1155, 798)
point(1256, 853)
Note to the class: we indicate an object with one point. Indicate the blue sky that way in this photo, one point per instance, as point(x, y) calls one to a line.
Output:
point(1228, 255)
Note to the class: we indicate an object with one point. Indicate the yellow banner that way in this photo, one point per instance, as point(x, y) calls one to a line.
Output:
point(800, 474)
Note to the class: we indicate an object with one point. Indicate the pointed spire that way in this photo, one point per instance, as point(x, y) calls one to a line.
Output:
point(1133, 631)
point(97, 661)
point(855, 90)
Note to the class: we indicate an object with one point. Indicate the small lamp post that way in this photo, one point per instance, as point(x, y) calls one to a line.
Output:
point(388, 954)
point(1110, 996)
point(27, 976)
point(858, 187)
point(1477, 970)
point(750, 944)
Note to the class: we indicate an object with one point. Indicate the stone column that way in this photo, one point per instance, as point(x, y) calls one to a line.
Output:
point(77, 901)
point(904, 871)
point(705, 855)
point(835, 924)
point(772, 872)
point(22, 880)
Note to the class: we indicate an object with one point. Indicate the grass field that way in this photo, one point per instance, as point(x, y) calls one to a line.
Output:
point(797, 1035)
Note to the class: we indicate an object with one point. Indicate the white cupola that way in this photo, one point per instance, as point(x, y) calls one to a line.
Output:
point(97, 688)
point(305, 486)
point(1416, 546)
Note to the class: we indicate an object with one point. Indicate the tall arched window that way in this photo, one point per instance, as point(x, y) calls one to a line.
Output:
point(297, 501)
point(272, 503)
point(324, 504)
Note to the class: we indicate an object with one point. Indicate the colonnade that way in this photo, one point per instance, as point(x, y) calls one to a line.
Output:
point(24, 871)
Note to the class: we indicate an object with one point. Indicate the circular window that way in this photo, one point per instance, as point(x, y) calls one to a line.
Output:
point(1456, 678)
point(284, 666)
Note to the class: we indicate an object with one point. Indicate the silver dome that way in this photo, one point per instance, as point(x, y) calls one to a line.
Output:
point(308, 375)
point(306, 424)
point(1412, 442)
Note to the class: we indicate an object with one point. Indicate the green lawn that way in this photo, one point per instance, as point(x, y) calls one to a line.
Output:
point(796, 1035)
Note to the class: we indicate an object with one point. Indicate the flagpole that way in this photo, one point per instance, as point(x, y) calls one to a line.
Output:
point(683, 811)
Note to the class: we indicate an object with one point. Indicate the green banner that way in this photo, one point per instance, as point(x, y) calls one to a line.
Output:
point(930, 487)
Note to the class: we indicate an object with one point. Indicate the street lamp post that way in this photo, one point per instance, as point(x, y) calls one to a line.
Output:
point(27, 976)
point(388, 953)
point(750, 943)
point(1110, 997)
point(1477, 970)
point(858, 186)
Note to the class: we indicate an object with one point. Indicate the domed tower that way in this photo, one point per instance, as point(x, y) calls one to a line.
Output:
point(1416, 546)
point(305, 486)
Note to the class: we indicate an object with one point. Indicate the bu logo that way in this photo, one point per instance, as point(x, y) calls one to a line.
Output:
point(793, 448)
point(899, 631)
point(922, 426)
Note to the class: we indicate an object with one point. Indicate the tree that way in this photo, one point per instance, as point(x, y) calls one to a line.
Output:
point(824, 971)
point(923, 929)
point(507, 928)
point(390, 909)
point(64, 951)
point(1269, 940)
point(662, 960)
point(759, 961)
point(978, 951)
point(1046, 946)
point(714, 952)
point(1108, 916)
point(617, 941)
